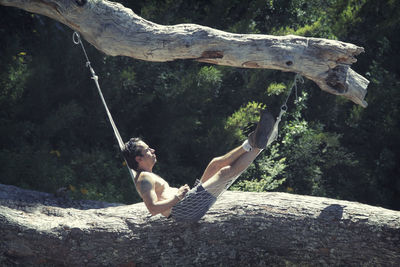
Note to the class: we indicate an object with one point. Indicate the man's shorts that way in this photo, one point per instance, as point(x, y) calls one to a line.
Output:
point(194, 205)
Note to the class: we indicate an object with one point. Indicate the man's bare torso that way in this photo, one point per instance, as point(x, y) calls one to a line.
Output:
point(162, 189)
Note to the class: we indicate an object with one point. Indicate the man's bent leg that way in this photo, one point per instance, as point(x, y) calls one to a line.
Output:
point(218, 163)
point(216, 184)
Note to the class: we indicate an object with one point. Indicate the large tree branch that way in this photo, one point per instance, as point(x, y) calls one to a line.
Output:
point(274, 229)
point(116, 30)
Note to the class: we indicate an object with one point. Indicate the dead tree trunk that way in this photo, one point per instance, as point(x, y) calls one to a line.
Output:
point(257, 229)
point(116, 30)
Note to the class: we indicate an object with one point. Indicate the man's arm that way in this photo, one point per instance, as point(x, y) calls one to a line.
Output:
point(149, 196)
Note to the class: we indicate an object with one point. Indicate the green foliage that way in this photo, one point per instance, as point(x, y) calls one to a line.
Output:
point(241, 118)
point(276, 89)
point(269, 170)
point(209, 77)
point(316, 157)
point(16, 75)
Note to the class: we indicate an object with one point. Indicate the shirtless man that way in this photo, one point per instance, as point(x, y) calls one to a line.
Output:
point(191, 204)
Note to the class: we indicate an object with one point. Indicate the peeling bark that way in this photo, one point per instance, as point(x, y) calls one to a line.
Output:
point(241, 229)
point(116, 30)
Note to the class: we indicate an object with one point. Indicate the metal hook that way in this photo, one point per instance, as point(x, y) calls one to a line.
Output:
point(76, 38)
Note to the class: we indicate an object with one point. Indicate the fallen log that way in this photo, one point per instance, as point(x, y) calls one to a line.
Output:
point(117, 30)
point(241, 229)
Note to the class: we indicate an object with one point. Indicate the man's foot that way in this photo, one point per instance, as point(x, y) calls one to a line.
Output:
point(259, 138)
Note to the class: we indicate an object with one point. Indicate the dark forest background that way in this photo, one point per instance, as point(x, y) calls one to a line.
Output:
point(54, 132)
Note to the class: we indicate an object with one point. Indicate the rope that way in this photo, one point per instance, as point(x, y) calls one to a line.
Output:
point(77, 40)
point(274, 134)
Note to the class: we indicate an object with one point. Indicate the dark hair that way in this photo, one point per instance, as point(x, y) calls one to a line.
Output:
point(130, 151)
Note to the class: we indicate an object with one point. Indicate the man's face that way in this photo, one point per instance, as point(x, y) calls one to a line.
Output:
point(148, 157)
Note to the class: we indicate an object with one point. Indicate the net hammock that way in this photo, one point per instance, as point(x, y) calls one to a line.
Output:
point(197, 201)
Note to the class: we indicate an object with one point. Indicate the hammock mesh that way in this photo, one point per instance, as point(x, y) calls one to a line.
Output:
point(199, 200)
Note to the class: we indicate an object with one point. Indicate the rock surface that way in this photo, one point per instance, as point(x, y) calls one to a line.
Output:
point(241, 229)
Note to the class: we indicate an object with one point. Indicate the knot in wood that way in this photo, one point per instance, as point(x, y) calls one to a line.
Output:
point(212, 54)
point(80, 2)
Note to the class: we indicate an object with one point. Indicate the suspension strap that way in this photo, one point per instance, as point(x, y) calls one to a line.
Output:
point(274, 135)
point(77, 40)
